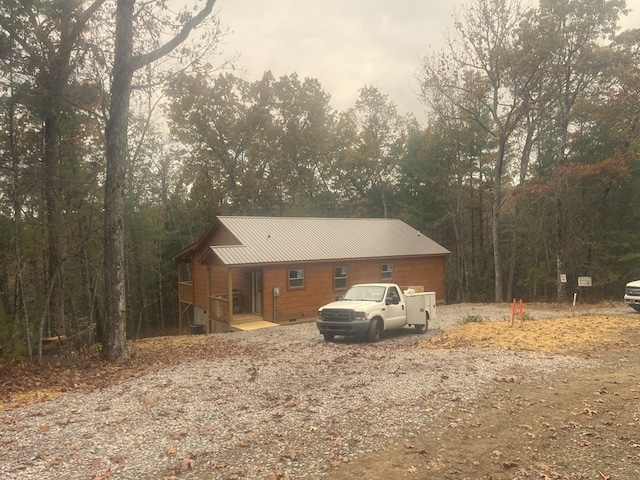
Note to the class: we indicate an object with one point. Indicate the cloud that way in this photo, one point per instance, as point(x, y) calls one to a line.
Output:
point(345, 44)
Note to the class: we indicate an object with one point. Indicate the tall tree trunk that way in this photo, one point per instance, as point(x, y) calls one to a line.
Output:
point(561, 286)
point(115, 331)
point(54, 215)
point(53, 83)
point(515, 239)
point(114, 345)
point(16, 200)
point(495, 217)
point(55, 71)
point(384, 204)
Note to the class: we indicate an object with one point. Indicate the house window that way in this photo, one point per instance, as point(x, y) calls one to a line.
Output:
point(340, 278)
point(296, 278)
point(386, 272)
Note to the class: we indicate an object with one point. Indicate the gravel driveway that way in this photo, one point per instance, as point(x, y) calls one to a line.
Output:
point(280, 402)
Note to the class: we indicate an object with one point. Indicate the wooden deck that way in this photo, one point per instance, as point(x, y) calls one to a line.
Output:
point(248, 321)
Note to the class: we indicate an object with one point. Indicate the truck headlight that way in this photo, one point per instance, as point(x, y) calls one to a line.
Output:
point(360, 316)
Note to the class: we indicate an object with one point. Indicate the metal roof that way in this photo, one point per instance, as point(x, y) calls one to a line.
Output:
point(266, 240)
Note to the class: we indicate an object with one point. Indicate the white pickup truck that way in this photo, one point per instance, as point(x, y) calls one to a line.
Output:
point(371, 308)
point(632, 295)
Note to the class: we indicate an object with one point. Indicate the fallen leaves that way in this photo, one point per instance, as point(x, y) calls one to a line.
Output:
point(278, 475)
point(184, 465)
point(563, 335)
point(290, 455)
point(23, 382)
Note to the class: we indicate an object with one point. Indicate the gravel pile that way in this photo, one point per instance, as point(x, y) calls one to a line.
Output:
point(285, 403)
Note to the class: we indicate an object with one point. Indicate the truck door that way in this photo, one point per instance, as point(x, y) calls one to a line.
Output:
point(395, 314)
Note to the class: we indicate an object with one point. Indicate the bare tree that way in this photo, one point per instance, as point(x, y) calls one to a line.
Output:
point(478, 76)
point(125, 65)
point(573, 30)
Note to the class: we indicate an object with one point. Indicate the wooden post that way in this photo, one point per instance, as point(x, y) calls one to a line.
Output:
point(208, 326)
point(230, 295)
point(179, 300)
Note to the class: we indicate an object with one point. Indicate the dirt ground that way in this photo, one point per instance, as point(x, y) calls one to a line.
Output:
point(573, 425)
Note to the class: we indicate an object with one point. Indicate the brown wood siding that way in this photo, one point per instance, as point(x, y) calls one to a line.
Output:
point(297, 303)
point(292, 304)
point(218, 280)
point(222, 236)
point(427, 272)
point(200, 285)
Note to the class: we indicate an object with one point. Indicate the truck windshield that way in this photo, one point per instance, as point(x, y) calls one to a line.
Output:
point(365, 292)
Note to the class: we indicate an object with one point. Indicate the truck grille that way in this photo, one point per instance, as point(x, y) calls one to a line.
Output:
point(633, 291)
point(337, 315)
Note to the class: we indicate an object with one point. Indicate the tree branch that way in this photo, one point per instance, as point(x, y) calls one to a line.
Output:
point(142, 60)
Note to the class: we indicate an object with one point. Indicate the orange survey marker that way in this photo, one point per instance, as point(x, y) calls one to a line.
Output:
point(521, 309)
point(514, 307)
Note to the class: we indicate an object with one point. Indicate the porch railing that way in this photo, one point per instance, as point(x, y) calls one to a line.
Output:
point(185, 290)
point(219, 308)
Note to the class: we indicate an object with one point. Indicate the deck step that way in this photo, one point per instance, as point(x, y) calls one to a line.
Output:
point(251, 325)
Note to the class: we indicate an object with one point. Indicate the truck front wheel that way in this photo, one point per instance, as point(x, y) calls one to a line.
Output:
point(328, 336)
point(373, 335)
point(423, 328)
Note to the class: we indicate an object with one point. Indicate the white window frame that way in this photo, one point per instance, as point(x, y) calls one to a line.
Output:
point(344, 278)
point(386, 271)
point(293, 281)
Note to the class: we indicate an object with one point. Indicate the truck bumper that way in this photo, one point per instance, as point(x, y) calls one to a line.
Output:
point(353, 328)
point(632, 301)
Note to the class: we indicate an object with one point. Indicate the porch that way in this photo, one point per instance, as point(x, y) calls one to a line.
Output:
point(222, 314)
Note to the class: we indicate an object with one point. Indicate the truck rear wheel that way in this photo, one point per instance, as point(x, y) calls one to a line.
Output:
point(423, 328)
point(373, 335)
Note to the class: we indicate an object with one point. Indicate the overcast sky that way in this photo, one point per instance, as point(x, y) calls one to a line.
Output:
point(345, 44)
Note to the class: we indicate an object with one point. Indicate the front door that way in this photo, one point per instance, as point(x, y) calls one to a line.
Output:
point(256, 293)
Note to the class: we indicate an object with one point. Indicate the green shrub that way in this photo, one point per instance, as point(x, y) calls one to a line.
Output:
point(473, 319)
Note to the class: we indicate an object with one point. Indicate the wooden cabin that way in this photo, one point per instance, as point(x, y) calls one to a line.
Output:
point(248, 272)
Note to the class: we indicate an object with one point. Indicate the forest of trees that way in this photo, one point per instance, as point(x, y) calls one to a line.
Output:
point(123, 136)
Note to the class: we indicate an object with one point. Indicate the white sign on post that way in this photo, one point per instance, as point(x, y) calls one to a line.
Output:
point(563, 278)
point(584, 281)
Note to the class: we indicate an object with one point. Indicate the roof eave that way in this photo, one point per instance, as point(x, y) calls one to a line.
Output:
point(210, 252)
